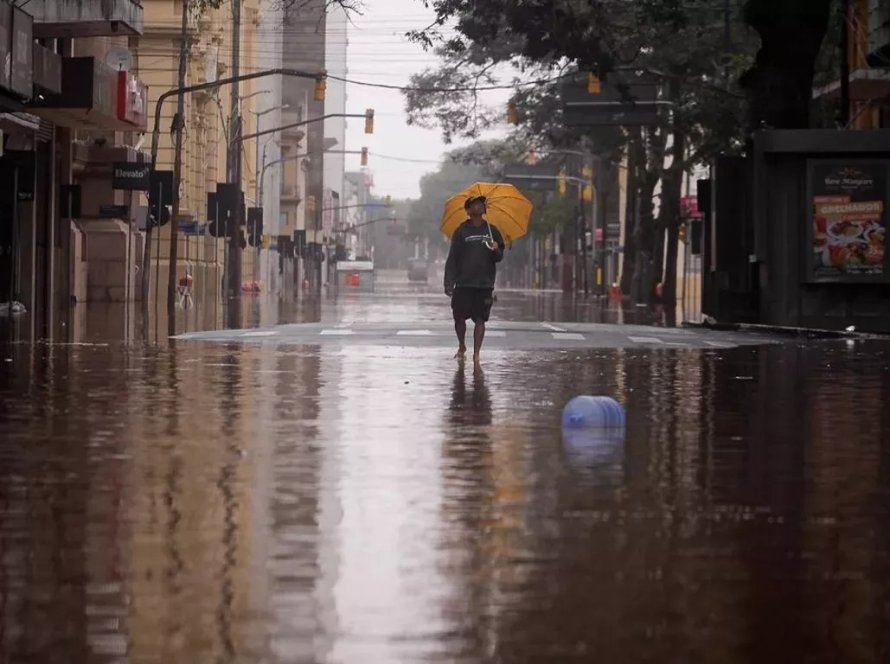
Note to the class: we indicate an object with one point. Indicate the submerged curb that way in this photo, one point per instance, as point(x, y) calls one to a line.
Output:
point(779, 330)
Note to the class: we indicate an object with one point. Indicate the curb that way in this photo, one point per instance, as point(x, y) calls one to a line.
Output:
point(796, 332)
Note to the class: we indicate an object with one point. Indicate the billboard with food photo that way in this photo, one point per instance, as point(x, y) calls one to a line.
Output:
point(849, 227)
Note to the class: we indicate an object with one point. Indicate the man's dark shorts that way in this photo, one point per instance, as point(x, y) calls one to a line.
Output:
point(472, 303)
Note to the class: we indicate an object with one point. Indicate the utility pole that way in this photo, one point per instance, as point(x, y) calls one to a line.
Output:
point(233, 264)
point(178, 125)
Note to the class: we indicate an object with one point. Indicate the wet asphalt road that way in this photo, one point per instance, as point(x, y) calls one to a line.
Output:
point(339, 501)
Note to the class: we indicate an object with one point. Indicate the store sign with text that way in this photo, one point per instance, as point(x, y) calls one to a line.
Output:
point(848, 232)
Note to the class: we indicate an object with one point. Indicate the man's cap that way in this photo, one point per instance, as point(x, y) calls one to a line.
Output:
point(473, 199)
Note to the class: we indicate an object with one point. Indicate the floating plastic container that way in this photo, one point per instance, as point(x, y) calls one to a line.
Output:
point(587, 411)
point(594, 447)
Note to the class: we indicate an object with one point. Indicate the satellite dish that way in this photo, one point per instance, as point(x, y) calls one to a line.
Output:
point(119, 59)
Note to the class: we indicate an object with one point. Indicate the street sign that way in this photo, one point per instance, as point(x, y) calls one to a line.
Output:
point(130, 177)
point(533, 177)
point(114, 211)
point(689, 207)
point(625, 99)
point(191, 228)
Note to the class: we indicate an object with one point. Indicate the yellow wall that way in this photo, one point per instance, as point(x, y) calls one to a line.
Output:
point(206, 112)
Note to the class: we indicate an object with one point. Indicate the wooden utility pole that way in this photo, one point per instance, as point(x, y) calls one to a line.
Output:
point(178, 125)
point(845, 64)
point(233, 263)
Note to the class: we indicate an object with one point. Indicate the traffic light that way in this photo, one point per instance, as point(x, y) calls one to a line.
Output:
point(321, 86)
point(587, 193)
point(562, 183)
point(682, 233)
point(364, 156)
point(594, 85)
point(512, 113)
point(160, 197)
point(369, 121)
point(310, 204)
point(255, 226)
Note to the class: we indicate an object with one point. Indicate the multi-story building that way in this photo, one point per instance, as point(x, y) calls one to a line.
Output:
point(311, 184)
point(74, 107)
point(336, 44)
point(868, 53)
point(210, 132)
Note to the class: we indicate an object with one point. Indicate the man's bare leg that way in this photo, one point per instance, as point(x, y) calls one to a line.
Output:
point(460, 327)
point(478, 338)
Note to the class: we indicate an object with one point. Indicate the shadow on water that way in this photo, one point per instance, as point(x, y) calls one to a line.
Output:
point(215, 503)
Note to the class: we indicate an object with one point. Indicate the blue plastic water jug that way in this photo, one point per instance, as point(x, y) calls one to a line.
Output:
point(587, 411)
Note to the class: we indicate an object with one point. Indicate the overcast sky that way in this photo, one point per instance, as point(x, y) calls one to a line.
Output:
point(379, 53)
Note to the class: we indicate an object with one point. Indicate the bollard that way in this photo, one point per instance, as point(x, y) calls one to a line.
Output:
point(587, 411)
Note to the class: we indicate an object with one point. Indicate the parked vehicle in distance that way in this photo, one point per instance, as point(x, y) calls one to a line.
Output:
point(418, 270)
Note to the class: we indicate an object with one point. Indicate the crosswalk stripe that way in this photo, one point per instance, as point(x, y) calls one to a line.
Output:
point(336, 333)
point(646, 340)
point(567, 336)
point(414, 333)
point(260, 333)
point(553, 328)
point(495, 333)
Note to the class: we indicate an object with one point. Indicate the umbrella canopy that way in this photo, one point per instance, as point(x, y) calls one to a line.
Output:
point(508, 210)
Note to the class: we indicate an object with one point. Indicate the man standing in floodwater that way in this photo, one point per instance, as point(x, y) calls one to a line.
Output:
point(470, 272)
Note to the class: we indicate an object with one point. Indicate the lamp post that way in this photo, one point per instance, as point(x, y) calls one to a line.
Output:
point(319, 78)
point(258, 116)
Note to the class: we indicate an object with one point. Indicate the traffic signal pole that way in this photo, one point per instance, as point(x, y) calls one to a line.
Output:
point(155, 144)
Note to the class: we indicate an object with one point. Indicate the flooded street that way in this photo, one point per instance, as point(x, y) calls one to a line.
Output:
point(376, 502)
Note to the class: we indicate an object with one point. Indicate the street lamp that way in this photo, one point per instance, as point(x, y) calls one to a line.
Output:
point(318, 77)
point(258, 115)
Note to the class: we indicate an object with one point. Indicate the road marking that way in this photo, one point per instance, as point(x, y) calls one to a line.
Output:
point(719, 344)
point(260, 333)
point(336, 333)
point(414, 333)
point(646, 340)
point(677, 343)
point(553, 328)
point(568, 336)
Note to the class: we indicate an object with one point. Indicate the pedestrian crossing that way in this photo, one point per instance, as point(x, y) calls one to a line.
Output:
point(516, 335)
point(546, 332)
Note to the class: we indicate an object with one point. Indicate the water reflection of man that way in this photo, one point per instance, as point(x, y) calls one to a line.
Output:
point(475, 411)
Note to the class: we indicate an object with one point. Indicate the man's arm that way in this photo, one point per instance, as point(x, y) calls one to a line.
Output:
point(498, 254)
point(451, 263)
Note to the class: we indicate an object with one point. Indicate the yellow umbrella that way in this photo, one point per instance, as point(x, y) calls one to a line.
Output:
point(508, 210)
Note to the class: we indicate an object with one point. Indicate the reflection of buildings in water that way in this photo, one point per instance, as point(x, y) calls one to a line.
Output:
point(621, 561)
point(193, 522)
point(292, 568)
point(842, 484)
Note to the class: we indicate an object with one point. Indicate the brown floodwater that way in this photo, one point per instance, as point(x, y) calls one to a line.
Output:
point(191, 502)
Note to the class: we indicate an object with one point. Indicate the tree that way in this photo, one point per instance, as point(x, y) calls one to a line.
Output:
point(435, 189)
point(780, 84)
point(674, 42)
